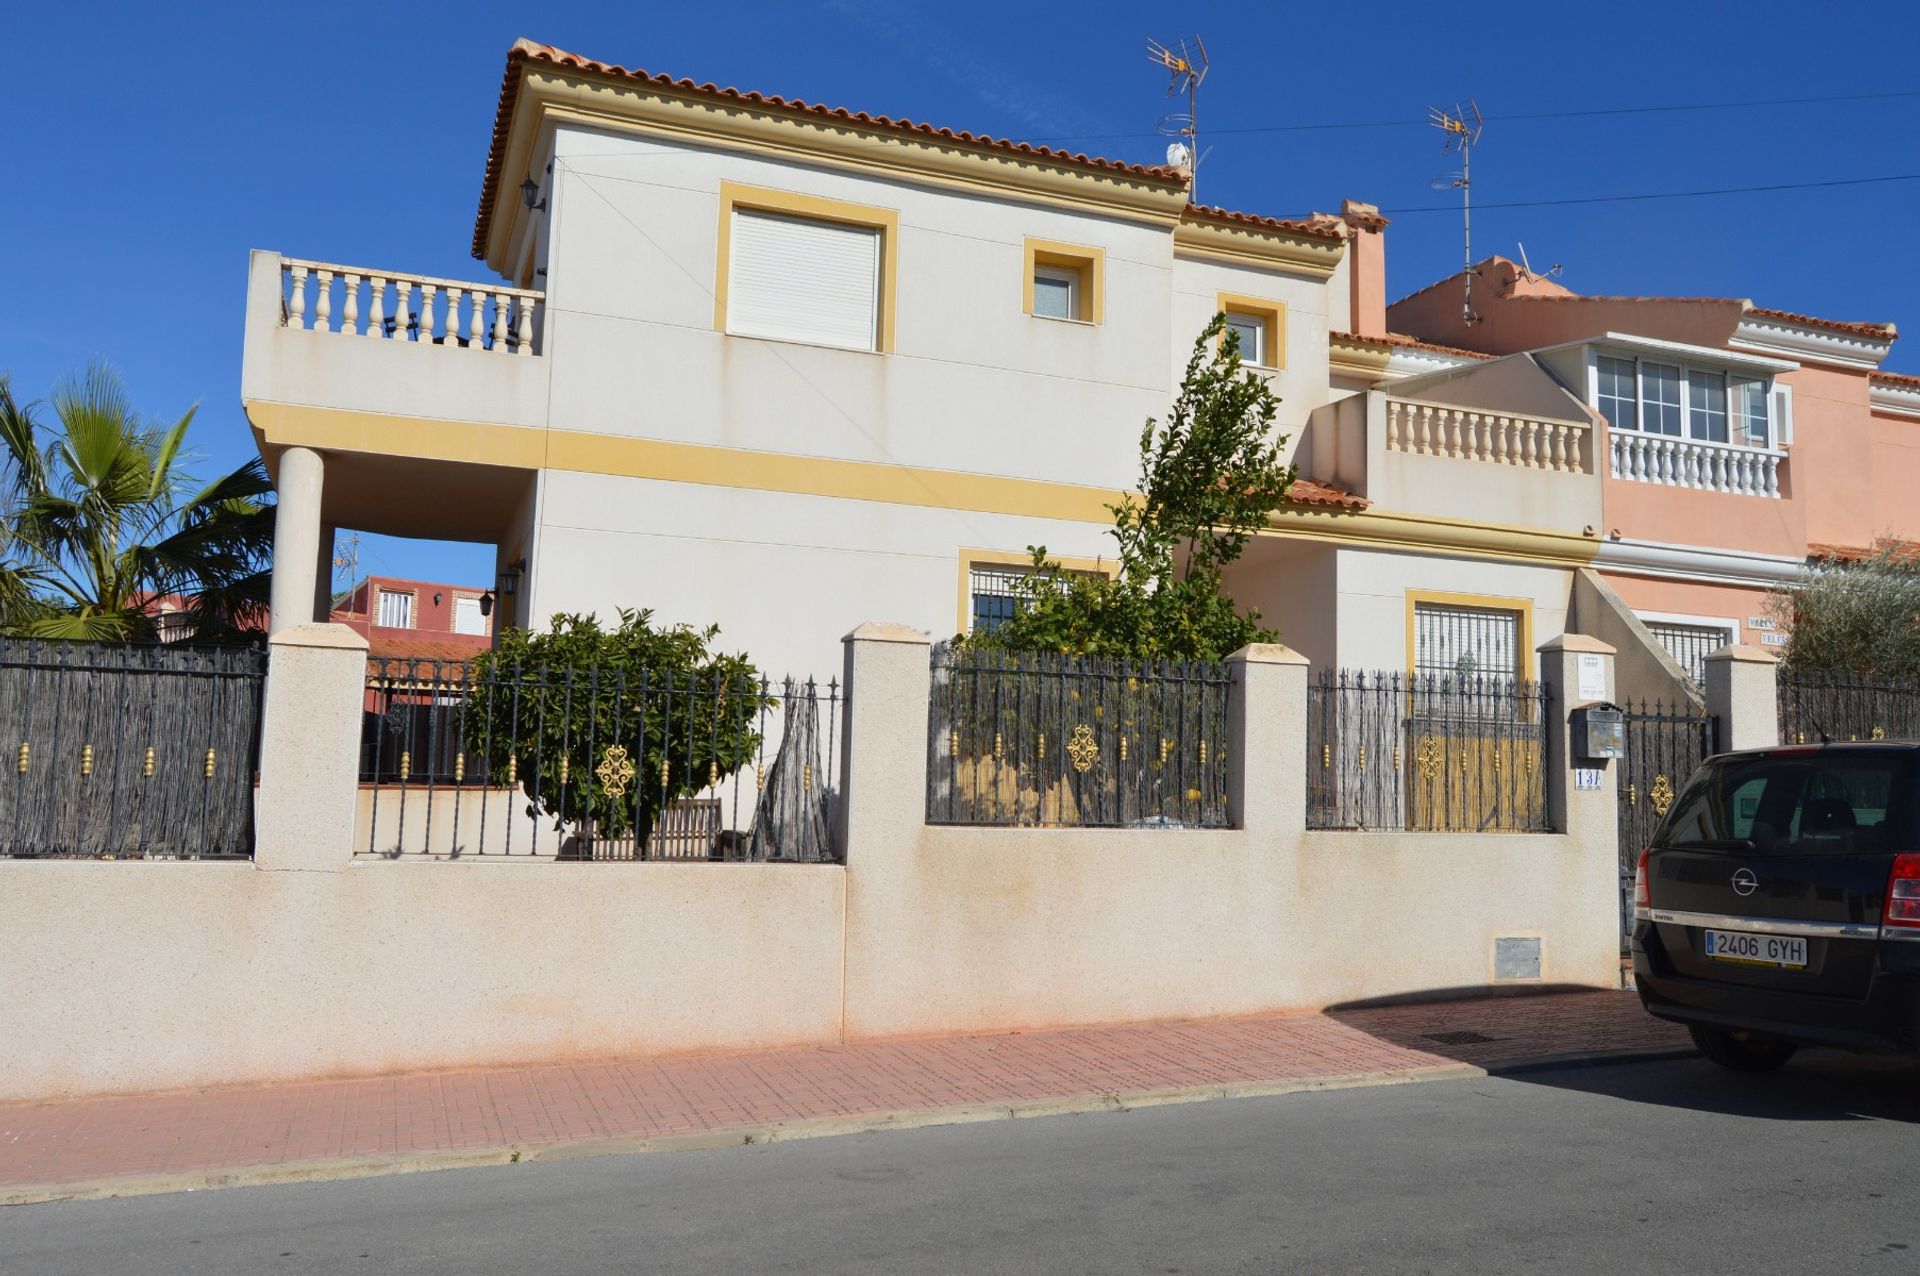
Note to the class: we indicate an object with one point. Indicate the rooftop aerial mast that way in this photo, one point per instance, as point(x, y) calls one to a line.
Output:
point(1462, 128)
point(1185, 71)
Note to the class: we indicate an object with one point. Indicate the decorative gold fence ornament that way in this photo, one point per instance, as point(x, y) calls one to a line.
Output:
point(1429, 757)
point(616, 771)
point(26, 751)
point(1082, 748)
point(406, 766)
point(210, 766)
point(1660, 796)
point(86, 760)
point(146, 768)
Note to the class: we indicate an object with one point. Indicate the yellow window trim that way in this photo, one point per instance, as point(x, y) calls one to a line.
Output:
point(1272, 313)
point(971, 558)
point(734, 195)
point(1087, 262)
point(1523, 652)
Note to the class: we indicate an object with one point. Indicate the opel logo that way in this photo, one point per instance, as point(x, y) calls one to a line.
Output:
point(1744, 882)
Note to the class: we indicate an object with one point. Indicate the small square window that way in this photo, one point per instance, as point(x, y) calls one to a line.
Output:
point(1056, 292)
point(1253, 337)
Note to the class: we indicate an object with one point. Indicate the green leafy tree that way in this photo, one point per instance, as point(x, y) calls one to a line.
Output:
point(99, 518)
point(1209, 477)
point(655, 707)
point(1854, 617)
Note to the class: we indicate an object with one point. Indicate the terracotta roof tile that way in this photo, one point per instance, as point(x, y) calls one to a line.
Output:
point(1882, 330)
point(524, 51)
point(1333, 229)
point(1902, 551)
point(1896, 378)
point(1307, 491)
point(1401, 341)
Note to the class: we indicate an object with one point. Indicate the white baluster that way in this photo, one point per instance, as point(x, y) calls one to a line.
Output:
point(1452, 419)
point(499, 323)
point(453, 296)
point(476, 321)
point(1772, 463)
point(376, 305)
point(524, 326)
point(1478, 435)
point(323, 301)
point(402, 308)
point(297, 297)
point(429, 321)
point(1393, 426)
point(1420, 414)
point(350, 312)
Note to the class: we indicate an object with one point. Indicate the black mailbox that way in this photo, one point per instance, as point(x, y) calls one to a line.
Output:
point(1599, 731)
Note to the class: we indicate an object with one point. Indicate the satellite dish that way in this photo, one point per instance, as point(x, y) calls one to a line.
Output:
point(1179, 155)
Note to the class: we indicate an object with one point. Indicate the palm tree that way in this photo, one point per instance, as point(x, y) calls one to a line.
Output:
point(102, 521)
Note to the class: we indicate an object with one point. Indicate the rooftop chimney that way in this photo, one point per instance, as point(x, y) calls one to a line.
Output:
point(1366, 268)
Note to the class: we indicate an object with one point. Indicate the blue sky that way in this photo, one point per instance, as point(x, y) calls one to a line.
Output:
point(150, 146)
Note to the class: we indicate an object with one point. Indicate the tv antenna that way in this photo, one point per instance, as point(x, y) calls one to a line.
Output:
point(1462, 127)
point(1185, 71)
point(1527, 266)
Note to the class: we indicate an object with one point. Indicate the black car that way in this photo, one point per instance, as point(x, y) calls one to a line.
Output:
point(1779, 903)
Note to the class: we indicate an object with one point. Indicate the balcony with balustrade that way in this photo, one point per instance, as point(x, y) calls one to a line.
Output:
point(1530, 462)
point(1670, 461)
point(390, 402)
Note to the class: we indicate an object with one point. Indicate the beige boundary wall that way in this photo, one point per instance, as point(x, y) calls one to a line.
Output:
point(309, 962)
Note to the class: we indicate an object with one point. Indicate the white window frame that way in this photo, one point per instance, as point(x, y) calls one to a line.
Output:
point(1777, 396)
point(380, 596)
point(1257, 357)
point(1060, 275)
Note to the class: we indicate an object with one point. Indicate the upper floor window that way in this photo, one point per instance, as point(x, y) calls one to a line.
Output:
point(1065, 281)
point(395, 610)
point(795, 279)
point(1619, 398)
point(1707, 405)
point(1262, 328)
point(1253, 337)
point(1056, 292)
point(1660, 398)
point(1685, 401)
point(793, 267)
point(467, 616)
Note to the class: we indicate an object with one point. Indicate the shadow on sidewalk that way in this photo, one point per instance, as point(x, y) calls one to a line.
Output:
point(1519, 1034)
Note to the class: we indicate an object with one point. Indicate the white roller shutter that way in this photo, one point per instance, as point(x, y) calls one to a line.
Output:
point(797, 280)
point(1782, 415)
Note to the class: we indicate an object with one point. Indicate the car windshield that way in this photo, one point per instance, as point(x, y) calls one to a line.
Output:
point(1831, 802)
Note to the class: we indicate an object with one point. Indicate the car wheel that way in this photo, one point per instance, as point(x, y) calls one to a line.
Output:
point(1753, 1054)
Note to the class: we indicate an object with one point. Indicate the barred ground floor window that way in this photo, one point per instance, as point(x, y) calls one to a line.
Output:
point(1689, 644)
point(1468, 641)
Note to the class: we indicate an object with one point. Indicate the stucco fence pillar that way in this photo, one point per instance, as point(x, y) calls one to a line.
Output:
point(1743, 693)
point(310, 748)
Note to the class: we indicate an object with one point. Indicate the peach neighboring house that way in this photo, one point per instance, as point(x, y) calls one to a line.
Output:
point(1740, 441)
point(417, 620)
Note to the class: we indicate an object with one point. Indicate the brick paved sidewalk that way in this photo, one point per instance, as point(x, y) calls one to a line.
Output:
point(185, 1138)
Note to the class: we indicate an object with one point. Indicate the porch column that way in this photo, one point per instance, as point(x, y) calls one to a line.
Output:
point(323, 578)
point(296, 538)
point(1741, 692)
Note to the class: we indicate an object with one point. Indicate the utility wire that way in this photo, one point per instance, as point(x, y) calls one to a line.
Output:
point(1336, 126)
point(1624, 199)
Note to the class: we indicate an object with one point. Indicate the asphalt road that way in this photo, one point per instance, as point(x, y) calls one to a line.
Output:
point(1671, 1166)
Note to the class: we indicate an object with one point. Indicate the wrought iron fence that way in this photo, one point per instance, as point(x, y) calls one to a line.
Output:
point(1818, 705)
point(1030, 739)
point(459, 759)
point(1428, 752)
point(128, 751)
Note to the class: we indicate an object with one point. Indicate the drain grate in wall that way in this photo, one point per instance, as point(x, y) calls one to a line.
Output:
point(1459, 1038)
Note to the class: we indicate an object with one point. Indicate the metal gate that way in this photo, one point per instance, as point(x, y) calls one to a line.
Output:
point(1664, 746)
